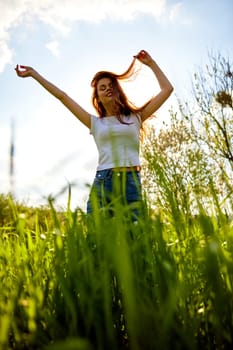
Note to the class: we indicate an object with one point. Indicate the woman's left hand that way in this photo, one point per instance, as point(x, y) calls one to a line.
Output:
point(144, 57)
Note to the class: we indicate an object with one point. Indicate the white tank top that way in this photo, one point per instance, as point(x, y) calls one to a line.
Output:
point(117, 143)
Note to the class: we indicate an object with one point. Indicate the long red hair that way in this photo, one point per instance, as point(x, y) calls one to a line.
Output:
point(124, 106)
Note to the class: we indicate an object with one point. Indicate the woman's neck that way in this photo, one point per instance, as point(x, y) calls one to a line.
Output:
point(111, 109)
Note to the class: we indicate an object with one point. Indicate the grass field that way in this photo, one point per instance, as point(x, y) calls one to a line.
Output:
point(72, 283)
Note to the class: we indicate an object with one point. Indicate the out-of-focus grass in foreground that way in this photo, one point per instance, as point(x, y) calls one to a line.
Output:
point(72, 283)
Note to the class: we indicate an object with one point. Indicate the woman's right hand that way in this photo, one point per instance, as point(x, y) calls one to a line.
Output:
point(24, 71)
point(144, 57)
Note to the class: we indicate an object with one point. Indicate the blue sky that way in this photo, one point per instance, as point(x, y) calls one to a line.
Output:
point(67, 42)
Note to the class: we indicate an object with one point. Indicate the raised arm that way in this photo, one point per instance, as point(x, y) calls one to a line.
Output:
point(74, 107)
point(166, 87)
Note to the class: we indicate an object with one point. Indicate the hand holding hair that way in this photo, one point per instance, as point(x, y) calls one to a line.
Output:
point(144, 57)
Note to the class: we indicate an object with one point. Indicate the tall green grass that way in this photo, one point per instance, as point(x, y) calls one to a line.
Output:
point(69, 282)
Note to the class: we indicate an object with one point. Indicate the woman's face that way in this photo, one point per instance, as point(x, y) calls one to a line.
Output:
point(105, 90)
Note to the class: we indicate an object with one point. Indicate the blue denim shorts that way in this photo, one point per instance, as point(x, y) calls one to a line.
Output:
point(112, 187)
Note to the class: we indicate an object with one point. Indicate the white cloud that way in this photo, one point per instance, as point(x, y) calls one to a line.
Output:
point(5, 54)
point(95, 10)
point(59, 15)
point(177, 13)
point(175, 9)
point(53, 47)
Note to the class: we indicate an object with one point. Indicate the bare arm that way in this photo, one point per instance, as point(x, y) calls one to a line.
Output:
point(74, 107)
point(165, 86)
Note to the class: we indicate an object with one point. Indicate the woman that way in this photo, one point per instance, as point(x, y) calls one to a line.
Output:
point(116, 132)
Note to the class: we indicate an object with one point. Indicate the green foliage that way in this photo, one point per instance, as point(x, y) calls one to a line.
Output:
point(211, 115)
point(193, 152)
point(69, 282)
